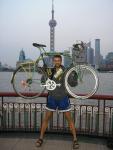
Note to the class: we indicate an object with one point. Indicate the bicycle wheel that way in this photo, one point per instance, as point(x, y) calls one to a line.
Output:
point(27, 81)
point(87, 82)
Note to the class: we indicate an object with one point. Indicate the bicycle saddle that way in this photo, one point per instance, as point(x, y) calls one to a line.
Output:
point(38, 45)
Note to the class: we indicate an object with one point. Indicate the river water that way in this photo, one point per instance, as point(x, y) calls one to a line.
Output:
point(105, 83)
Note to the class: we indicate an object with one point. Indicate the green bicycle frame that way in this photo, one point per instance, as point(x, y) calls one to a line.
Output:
point(31, 65)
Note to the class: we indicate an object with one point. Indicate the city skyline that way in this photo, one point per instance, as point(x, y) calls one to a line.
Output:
point(88, 56)
point(25, 22)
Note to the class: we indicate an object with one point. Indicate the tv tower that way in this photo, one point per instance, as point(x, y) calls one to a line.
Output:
point(52, 24)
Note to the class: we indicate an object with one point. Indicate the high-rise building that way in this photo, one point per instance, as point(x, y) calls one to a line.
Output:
point(109, 58)
point(67, 59)
point(47, 61)
point(0, 65)
point(90, 55)
point(22, 58)
point(97, 53)
point(22, 55)
point(102, 61)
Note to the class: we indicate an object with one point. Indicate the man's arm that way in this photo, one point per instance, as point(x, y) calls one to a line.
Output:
point(49, 72)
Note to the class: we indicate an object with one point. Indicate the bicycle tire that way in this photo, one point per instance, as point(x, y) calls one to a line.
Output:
point(82, 96)
point(26, 94)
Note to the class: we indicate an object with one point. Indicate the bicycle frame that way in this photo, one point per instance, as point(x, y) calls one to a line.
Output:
point(34, 64)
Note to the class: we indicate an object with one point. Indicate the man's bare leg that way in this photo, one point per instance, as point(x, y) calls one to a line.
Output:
point(71, 124)
point(48, 115)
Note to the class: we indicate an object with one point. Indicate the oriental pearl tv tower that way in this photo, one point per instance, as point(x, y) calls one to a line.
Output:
point(52, 24)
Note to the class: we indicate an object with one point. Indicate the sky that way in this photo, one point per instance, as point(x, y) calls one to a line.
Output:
point(23, 22)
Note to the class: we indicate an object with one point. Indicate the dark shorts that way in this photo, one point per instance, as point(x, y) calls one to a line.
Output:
point(62, 105)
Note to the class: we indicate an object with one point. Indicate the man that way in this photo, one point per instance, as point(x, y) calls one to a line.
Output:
point(58, 99)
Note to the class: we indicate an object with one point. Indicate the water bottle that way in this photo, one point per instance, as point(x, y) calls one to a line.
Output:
point(58, 73)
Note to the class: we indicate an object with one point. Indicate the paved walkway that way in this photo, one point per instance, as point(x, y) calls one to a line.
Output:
point(22, 141)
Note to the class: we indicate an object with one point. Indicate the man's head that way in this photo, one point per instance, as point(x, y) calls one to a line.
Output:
point(57, 60)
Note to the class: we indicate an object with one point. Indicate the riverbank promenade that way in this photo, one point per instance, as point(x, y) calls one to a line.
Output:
point(26, 141)
point(21, 120)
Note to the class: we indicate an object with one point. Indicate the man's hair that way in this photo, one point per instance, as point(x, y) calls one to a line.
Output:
point(57, 56)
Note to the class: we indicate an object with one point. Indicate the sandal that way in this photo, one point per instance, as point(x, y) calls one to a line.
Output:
point(39, 142)
point(75, 144)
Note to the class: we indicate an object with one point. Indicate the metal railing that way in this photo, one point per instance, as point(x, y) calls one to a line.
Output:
point(91, 117)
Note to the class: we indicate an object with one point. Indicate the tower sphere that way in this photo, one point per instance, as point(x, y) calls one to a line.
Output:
point(52, 23)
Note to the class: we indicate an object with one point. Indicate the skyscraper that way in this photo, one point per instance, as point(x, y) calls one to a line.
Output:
point(0, 65)
point(22, 58)
point(109, 58)
point(22, 55)
point(97, 53)
point(67, 59)
point(90, 55)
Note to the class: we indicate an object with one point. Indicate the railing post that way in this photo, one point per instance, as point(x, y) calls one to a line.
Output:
point(112, 124)
point(104, 117)
point(97, 123)
point(2, 113)
point(35, 119)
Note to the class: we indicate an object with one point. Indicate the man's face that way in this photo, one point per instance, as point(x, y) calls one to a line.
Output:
point(57, 61)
